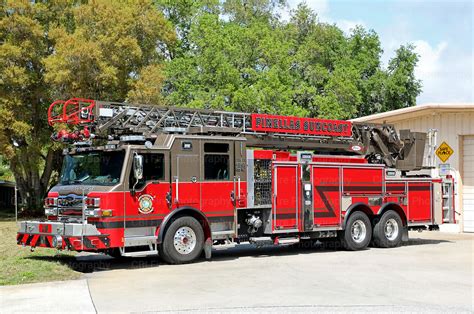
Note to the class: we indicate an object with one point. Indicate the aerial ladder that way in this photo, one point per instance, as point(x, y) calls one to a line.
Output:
point(378, 143)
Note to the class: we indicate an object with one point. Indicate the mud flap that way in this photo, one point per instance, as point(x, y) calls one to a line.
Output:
point(404, 234)
point(208, 248)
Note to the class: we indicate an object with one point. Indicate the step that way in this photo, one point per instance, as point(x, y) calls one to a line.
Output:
point(285, 241)
point(226, 246)
point(139, 253)
point(139, 240)
point(261, 241)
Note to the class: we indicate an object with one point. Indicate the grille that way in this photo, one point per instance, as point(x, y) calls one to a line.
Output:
point(70, 205)
point(263, 182)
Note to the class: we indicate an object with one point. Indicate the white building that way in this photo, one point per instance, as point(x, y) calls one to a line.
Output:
point(455, 126)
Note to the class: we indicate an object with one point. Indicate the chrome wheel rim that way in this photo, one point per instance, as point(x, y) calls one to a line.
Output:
point(358, 231)
point(184, 240)
point(391, 229)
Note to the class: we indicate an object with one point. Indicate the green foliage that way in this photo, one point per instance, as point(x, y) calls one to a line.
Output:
point(232, 54)
point(241, 56)
point(403, 87)
point(112, 45)
point(5, 172)
point(61, 49)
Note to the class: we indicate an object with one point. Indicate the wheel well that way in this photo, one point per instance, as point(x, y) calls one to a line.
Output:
point(396, 208)
point(357, 207)
point(183, 212)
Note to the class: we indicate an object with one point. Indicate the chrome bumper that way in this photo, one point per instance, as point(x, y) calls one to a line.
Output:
point(57, 228)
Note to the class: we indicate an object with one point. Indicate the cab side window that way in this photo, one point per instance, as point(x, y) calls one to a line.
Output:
point(216, 161)
point(153, 170)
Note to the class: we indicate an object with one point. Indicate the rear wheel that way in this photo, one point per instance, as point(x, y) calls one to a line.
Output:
point(358, 232)
point(183, 241)
point(388, 230)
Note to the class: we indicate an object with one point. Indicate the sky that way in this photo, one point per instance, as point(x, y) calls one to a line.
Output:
point(442, 32)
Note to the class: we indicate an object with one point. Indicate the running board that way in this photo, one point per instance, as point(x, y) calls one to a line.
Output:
point(140, 240)
point(139, 254)
point(261, 241)
point(286, 241)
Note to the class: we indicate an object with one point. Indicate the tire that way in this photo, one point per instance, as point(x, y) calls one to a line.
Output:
point(358, 232)
point(388, 230)
point(183, 241)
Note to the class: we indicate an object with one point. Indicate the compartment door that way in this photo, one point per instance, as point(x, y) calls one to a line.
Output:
point(326, 196)
point(285, 197)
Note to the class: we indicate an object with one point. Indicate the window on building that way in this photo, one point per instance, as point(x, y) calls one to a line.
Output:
point(153, 170)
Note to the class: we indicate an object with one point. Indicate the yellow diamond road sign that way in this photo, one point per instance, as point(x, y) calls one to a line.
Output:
point(444, 151)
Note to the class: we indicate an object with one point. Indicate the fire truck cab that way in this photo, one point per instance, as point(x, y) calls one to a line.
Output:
point(183, 186)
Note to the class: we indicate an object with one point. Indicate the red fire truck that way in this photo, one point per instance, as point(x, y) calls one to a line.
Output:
point(142, 180)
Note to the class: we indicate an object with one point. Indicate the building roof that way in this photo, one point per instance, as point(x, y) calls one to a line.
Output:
point(7, 183)
point(415, 111)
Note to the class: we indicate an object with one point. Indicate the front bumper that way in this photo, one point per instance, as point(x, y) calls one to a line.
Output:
point(61, 235)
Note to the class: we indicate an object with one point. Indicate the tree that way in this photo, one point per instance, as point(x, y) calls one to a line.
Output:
point(24, 97)
point(234, 65)
point(112, 45)
point(62, 49)
point(241, 56)
point(402, 85)
point(231, 54)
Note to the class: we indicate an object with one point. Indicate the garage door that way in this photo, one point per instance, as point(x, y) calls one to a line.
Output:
point(468, 183)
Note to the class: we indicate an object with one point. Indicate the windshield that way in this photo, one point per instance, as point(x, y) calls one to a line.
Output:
point(92, 168)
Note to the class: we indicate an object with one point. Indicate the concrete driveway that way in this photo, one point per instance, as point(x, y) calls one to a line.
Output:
point(433, 272)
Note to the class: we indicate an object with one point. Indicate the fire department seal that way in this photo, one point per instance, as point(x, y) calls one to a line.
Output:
point(146, 204)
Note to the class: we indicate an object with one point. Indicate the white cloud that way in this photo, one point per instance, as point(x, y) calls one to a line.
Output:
point(445, 70)
point(430, 62)
point(446, 73)
point(347, 25)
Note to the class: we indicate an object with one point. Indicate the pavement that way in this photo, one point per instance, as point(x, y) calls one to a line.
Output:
point(52, 297)
point(433, 272)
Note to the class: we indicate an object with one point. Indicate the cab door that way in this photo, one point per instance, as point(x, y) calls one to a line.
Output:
point(185, 174)
point(186, 181)
point(219, 187)
point(146, 202)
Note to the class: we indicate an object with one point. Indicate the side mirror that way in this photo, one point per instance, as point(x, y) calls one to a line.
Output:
point(138, 166)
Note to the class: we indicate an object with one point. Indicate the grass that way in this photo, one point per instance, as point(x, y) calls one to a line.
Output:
point(18, 265)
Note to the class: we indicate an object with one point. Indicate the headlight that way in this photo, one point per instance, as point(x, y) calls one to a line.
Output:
point(98, 212)
point(51, 211)
point(92, 212)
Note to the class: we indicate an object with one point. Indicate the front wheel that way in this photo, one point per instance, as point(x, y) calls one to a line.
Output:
point(183, 241)
point(358, 232)
point(388, 230)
